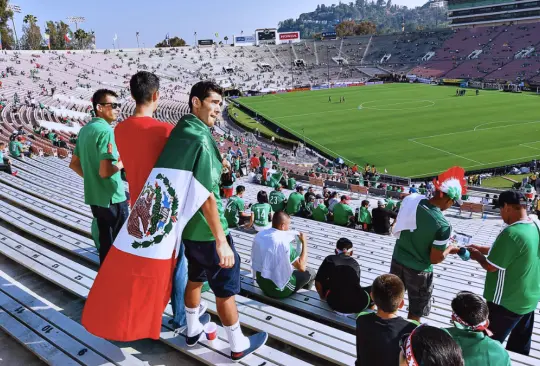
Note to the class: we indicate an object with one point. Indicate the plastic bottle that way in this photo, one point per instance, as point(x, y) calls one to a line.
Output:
point(464, 254)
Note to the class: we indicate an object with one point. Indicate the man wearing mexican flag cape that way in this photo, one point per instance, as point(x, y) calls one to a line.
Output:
point(424, 239)
point(179, 202)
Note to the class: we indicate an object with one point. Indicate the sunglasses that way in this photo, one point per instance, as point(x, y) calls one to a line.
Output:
point(113, 105)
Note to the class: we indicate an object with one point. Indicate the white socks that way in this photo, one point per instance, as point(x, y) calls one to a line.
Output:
point(194, 326)
point(237, 340)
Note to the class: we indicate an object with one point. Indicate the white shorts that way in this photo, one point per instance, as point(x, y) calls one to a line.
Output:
point(261, 228)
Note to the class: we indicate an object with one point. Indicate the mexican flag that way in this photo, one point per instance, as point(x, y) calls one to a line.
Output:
point(67, 37)
point(134, 283)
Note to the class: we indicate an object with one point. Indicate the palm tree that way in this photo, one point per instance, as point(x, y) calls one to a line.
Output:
point(30, 19)
point(80, 35)
point(226, 39)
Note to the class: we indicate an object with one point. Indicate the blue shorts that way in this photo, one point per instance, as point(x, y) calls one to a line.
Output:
point(203, 265)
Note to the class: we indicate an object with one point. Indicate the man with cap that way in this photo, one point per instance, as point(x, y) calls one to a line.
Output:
point(423, 239)
point(338, 281)
point(296, 202)
point(512, 287)
point(380, 218)
point(343, 213)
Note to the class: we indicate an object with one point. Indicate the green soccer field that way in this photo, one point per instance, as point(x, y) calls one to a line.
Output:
point(411, 130)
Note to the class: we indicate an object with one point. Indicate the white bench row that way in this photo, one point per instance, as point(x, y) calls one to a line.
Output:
point(50, 175)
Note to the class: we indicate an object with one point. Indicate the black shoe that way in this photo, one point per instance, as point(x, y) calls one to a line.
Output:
point(191, 341)
point(256, 341)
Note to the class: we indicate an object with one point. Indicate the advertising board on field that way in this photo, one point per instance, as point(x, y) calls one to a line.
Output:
point(244, 40)
point(289, 37)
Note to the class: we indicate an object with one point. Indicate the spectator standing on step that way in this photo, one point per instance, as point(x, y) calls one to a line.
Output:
point(378, 334)
point(343, 213)
point(424, 239)
point(470, 331)
point(262, 159)
point(338, 281)
point(255, 163)
point(380, 217)
point(279, 269)
point(512, 287)
point(97, 161)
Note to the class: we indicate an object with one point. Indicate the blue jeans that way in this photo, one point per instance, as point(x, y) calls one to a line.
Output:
point(180, 278)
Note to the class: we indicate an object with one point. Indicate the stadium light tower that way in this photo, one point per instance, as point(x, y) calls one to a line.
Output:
point(76, 20)
point(15, 9)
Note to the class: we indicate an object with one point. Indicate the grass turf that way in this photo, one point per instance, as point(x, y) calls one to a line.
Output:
point(412, 130)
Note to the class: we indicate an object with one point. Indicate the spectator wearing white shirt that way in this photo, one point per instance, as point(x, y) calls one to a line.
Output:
point(278, 269)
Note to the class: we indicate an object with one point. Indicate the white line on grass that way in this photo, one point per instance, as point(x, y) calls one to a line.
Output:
point(446, 152)
point(309, 114)
point(473, 130)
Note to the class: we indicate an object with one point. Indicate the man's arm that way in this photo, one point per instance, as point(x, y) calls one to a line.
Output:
point(76, 166)
point(481, 259)
point(224, 251)
point(436, 256)
point(301, 263)
point(107, 169)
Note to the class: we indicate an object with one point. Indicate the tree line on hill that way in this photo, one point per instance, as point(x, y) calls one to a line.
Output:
point(365, 17)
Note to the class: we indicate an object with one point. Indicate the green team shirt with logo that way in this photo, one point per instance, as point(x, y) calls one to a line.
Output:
point(233, 209)
point(294, 203)
point(269, 287)
point(261, 211)
point(516, 284)
point(413, 248)
point(277, 201)
point(342, 212)
point(15, 148)
point(320, 212)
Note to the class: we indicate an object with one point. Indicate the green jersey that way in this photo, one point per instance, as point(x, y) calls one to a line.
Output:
point(390, 205)
point(294, 203)
point(233, 209)
point(478, 349)
point(261, 211)
point(320, 212)
point(277, 200)
point(342, 212)
point(269, 287)
point(96, 143)
point(15, 148)
point(262, 159)
point(365, 216)
point(413, 248)
point(515, 253)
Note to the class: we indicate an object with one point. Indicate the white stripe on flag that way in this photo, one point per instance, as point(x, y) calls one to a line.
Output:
point(190, 194)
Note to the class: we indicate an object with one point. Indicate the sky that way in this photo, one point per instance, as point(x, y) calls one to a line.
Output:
point(154, 19)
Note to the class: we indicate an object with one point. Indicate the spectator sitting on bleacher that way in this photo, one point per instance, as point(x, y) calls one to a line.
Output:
point(381, 219)
point(413, 189)
point(296, 202)
point(277, 198)
point(343, 213)
point(16, 148)
point(470, 318)
point(485, 200)
point(429, 346)
point(279, 270)
point(320, 211)
point(234, 211)
point(364, 216)
point(5, 163)
point(378, 334)
point(261, 212)
point(332, 201)
point(338, 281)
point(310, 192)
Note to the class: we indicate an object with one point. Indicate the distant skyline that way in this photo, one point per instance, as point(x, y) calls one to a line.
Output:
point(155, 19)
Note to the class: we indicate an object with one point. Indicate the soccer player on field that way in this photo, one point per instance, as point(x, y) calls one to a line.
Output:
point(423, 239)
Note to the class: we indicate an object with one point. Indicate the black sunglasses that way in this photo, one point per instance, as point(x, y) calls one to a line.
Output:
point(113, 105)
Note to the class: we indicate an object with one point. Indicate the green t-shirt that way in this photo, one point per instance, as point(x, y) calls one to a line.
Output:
point(269, 287)
point(294, 203)
point(413, 249)
point(365, 216)
point(390, 204)
point(262, 159)
point(237, 165)
point(320, 212)
point(342, 212)
point(261, 211)
point(516, 285)
point(233, 209)
point(96, 143)
point(277, 201)
point(15, 148)
point(191, 147)
point(478, 349)
point(249, 152)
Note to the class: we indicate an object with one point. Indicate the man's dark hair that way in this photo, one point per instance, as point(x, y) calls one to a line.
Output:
point(365, 203)
point(143, 85)
point(344, 244)
point(432, 346)
point(262, 197)
point(240, 189)
point(299, 189)
point(99, 97)
point(202, 91)
point(279, 218)
point(2, 143)
point(388, 291)
point(470, 307)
